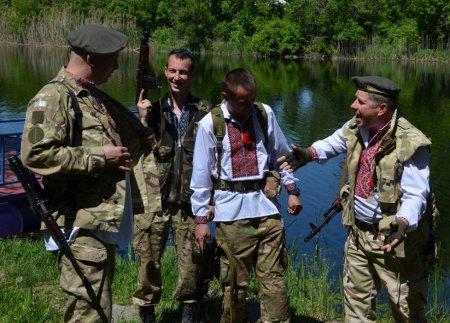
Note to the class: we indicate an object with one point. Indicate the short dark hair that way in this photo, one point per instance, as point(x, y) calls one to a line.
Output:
point(238, 77)
point(182, 53)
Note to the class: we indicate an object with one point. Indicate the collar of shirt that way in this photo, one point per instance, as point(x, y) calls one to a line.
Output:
point(367, 139)
point(71, 80)
point(167, 107)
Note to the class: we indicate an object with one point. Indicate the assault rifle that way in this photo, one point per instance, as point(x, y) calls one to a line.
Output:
point(335, 208)
point(38, 201)
point(144, 80)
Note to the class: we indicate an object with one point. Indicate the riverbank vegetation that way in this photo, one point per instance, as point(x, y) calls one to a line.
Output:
point(385, 29)
point(29, 288)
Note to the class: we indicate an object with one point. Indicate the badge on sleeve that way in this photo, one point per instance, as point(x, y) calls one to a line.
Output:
point(37, 117)
point(40, 104)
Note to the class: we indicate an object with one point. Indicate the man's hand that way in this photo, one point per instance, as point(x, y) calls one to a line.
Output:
point(295, 159)
point(144, 106)
point(117, 156)
point(295, 205)
point(211, 213)
point(398, 229)
point(202, 232)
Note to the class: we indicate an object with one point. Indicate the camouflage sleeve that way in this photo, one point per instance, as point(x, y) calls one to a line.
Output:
point(47, 137)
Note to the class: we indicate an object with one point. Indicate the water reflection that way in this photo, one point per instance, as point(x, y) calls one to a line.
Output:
point(310, 99)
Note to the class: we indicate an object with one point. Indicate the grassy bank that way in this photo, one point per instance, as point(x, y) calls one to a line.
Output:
point(29, 288)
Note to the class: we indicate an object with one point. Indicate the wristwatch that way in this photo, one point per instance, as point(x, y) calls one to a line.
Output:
point(295, 191)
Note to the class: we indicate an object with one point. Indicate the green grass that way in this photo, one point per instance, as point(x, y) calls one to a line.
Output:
point(29, 287)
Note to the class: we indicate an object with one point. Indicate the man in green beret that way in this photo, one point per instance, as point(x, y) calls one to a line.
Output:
point(387, 205)
point(90, 151)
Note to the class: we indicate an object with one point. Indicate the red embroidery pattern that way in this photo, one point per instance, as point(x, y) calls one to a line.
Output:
point(244, 161)
point(364, 178)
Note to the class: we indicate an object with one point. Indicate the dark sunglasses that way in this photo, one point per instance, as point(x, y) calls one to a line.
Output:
point(182, 51)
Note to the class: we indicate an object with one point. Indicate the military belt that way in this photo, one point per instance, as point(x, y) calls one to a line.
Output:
point(239, 186)
point(364, 226)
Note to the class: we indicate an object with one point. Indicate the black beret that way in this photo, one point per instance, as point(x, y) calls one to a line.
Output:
point(377, 85)
point(97, 39)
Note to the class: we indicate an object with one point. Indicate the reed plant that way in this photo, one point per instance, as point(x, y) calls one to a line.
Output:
point(51, 26)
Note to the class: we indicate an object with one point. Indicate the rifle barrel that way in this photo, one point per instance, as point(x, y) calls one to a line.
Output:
point(335, 208)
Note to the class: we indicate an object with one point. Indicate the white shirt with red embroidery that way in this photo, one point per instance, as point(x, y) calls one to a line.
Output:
point(415, 186)
point(244, 157)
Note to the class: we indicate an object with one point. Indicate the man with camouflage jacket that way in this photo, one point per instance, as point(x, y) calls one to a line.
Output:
point(174, 120)
point(386, 203)
point(91, 152)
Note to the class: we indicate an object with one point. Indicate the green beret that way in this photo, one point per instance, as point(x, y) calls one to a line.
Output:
point(97, 39)
point(377, 85)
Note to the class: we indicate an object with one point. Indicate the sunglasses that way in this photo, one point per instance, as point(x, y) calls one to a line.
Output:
point(182, 51)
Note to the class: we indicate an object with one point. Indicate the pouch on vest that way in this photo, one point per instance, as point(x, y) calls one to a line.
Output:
point(346, 202)
point(164, 149)
point(170, 179)
point(272, 186)
point(420, 242)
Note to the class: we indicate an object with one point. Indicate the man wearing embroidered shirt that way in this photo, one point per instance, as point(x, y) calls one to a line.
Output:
point(384, 203)
point(246, 220)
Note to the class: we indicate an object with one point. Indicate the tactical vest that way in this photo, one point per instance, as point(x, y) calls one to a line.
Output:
point(175, 163)
point(396, 147)
point(219, 125)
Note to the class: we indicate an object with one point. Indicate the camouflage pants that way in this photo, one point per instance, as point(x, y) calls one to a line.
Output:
point(367, 269)
point(257, 243)
point(96, 260)
point(151, 233)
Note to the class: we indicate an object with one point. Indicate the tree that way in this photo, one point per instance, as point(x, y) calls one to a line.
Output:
point(278, 37)
point(193, 19)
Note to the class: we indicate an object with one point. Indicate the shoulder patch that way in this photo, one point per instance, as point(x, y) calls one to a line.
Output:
point(35, 134)
point(40, 104)
point(37, 117)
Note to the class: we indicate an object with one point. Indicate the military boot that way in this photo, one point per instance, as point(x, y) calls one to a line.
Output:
point(191, 313)
point(147, 314)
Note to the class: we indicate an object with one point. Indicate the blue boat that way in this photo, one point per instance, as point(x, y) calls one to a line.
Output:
point(15, 214)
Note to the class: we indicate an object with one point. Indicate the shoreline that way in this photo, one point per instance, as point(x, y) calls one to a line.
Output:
point(316, 57)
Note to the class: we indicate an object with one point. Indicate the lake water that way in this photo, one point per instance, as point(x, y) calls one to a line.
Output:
point(310, 99)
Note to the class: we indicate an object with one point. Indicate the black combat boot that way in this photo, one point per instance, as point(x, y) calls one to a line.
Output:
point(147, 314)
point(191, 313)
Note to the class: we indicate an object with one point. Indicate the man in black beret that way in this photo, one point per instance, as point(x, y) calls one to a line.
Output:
point(387, 205)
point(81, 141)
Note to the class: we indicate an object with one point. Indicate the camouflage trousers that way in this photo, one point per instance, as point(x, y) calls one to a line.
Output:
point(255, 243)
point(96, 260)
point(151, 233)
point(367, 269)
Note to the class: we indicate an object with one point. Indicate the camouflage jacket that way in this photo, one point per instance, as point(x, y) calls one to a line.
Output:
point(47, 149)
point(174, 155)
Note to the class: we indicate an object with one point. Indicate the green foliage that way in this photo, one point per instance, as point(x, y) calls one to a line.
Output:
point(278, 37)
point(195, 22)
point(348, 35)
point(19, 12)
point(405, 35)
point(325, 26)
point(165, 35)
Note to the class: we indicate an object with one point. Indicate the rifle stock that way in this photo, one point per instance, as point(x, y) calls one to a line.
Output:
point(335, 208)
point(144, 80)
point(38, 201)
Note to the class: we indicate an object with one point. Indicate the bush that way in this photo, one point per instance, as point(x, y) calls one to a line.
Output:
point(278, 37)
